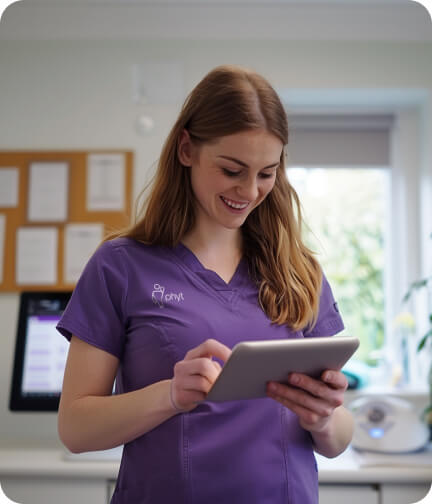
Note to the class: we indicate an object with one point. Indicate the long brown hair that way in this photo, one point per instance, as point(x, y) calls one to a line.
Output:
point(228, 100)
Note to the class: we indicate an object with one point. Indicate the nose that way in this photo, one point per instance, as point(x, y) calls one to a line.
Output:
point(248, 189)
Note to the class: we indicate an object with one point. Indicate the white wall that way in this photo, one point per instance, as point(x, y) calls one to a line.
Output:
point(77, 94)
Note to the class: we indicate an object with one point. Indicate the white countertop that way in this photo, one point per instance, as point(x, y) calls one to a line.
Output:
point(365, 467)
point(51, 462)
point(349, 467)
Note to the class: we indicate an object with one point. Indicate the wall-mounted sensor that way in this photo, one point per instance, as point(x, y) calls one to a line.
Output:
point(144, 124)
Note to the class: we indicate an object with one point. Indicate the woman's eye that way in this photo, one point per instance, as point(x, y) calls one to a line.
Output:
point(230, 173)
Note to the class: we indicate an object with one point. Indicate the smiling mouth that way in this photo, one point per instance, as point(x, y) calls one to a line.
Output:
point(234, 205)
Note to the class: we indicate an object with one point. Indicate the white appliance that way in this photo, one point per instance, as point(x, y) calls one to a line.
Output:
point(387, 425)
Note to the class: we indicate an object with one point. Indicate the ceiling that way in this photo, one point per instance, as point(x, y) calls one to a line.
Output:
point(357, 20)
point(221, 2)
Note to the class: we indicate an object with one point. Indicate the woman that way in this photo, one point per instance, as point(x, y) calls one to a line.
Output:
point(216, 257)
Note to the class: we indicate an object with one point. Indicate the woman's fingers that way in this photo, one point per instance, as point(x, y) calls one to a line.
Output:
point(195, 375)
point(312, 400)
point(306, 416)
point(189, 389)
point(196, 383)
point(202, 366)
point(331, 387)
point(184, 399)
point(217, 366)
point(335, 379)
point(313, 413)
point(209, 348)
point(303, 399)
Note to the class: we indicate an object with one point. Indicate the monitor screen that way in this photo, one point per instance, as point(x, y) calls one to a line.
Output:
point(40, 352)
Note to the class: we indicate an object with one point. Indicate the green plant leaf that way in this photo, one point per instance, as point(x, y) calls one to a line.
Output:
point(423, 340)
point(426, 415)
point(418, 284)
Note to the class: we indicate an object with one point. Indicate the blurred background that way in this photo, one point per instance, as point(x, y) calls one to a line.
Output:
point(355, 77)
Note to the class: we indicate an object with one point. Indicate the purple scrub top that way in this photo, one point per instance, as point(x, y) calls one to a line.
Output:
point(149, 305)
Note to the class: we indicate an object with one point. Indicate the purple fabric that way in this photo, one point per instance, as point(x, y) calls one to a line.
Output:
point(150, 305)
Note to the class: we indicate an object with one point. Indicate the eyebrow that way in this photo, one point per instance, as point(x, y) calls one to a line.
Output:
point(241, 163)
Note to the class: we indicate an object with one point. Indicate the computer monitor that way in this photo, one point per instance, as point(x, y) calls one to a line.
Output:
point(40, 352)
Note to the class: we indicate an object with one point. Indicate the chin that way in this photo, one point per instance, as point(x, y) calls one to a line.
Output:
point(236, 225)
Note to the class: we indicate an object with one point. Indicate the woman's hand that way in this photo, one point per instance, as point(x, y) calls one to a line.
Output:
point(196, 373)
point(314, 401)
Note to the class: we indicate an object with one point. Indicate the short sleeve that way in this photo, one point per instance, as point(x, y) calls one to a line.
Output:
point(96, 310)
point(329, 321)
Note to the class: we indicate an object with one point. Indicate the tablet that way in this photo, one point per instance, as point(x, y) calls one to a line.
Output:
point(253, 363)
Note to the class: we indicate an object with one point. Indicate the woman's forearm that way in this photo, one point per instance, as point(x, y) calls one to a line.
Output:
point(337, 435)
point(98, 423)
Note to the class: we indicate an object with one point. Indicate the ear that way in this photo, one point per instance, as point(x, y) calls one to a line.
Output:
point(185, 149)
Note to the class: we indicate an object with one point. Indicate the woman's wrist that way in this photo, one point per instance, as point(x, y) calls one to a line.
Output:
point(172, 402)
point(336, 436)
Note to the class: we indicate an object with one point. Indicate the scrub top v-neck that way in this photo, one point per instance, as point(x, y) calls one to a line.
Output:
point(211, 278)
point(148, 306)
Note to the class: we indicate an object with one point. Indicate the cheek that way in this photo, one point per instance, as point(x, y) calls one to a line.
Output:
point(205, 185)
point(267, 187)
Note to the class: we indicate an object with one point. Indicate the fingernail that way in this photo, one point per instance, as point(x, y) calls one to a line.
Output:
point(294, 379)
point(272, 387)
point(328, 377)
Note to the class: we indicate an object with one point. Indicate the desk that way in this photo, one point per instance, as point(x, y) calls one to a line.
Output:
point(44, 476)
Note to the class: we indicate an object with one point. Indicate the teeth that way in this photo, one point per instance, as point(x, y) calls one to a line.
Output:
point(234, 205)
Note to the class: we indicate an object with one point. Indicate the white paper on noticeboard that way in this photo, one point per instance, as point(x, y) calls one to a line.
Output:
point(48, 192)
point(36, 255)
point(105, 182)
point(9, 187)
point(81, 240)
point(2, 244)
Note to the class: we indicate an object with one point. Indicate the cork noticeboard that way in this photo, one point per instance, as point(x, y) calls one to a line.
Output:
point(16, 217)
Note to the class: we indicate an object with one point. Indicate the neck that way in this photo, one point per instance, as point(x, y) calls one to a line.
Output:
point(224, 242)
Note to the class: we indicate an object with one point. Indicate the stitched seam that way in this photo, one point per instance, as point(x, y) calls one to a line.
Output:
point(125, 293)
point(75, 328)
point(334, 323)
point(284, 450)
point(185, 457)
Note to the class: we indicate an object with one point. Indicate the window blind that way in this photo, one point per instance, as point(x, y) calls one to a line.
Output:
point(339, 140)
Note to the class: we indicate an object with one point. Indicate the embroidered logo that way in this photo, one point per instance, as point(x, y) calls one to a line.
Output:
point(159, 297)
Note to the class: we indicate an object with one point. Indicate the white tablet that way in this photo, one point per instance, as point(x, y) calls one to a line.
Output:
point(254, 363)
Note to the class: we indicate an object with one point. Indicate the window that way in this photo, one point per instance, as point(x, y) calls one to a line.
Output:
point(346, 211)
point(340, 167)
